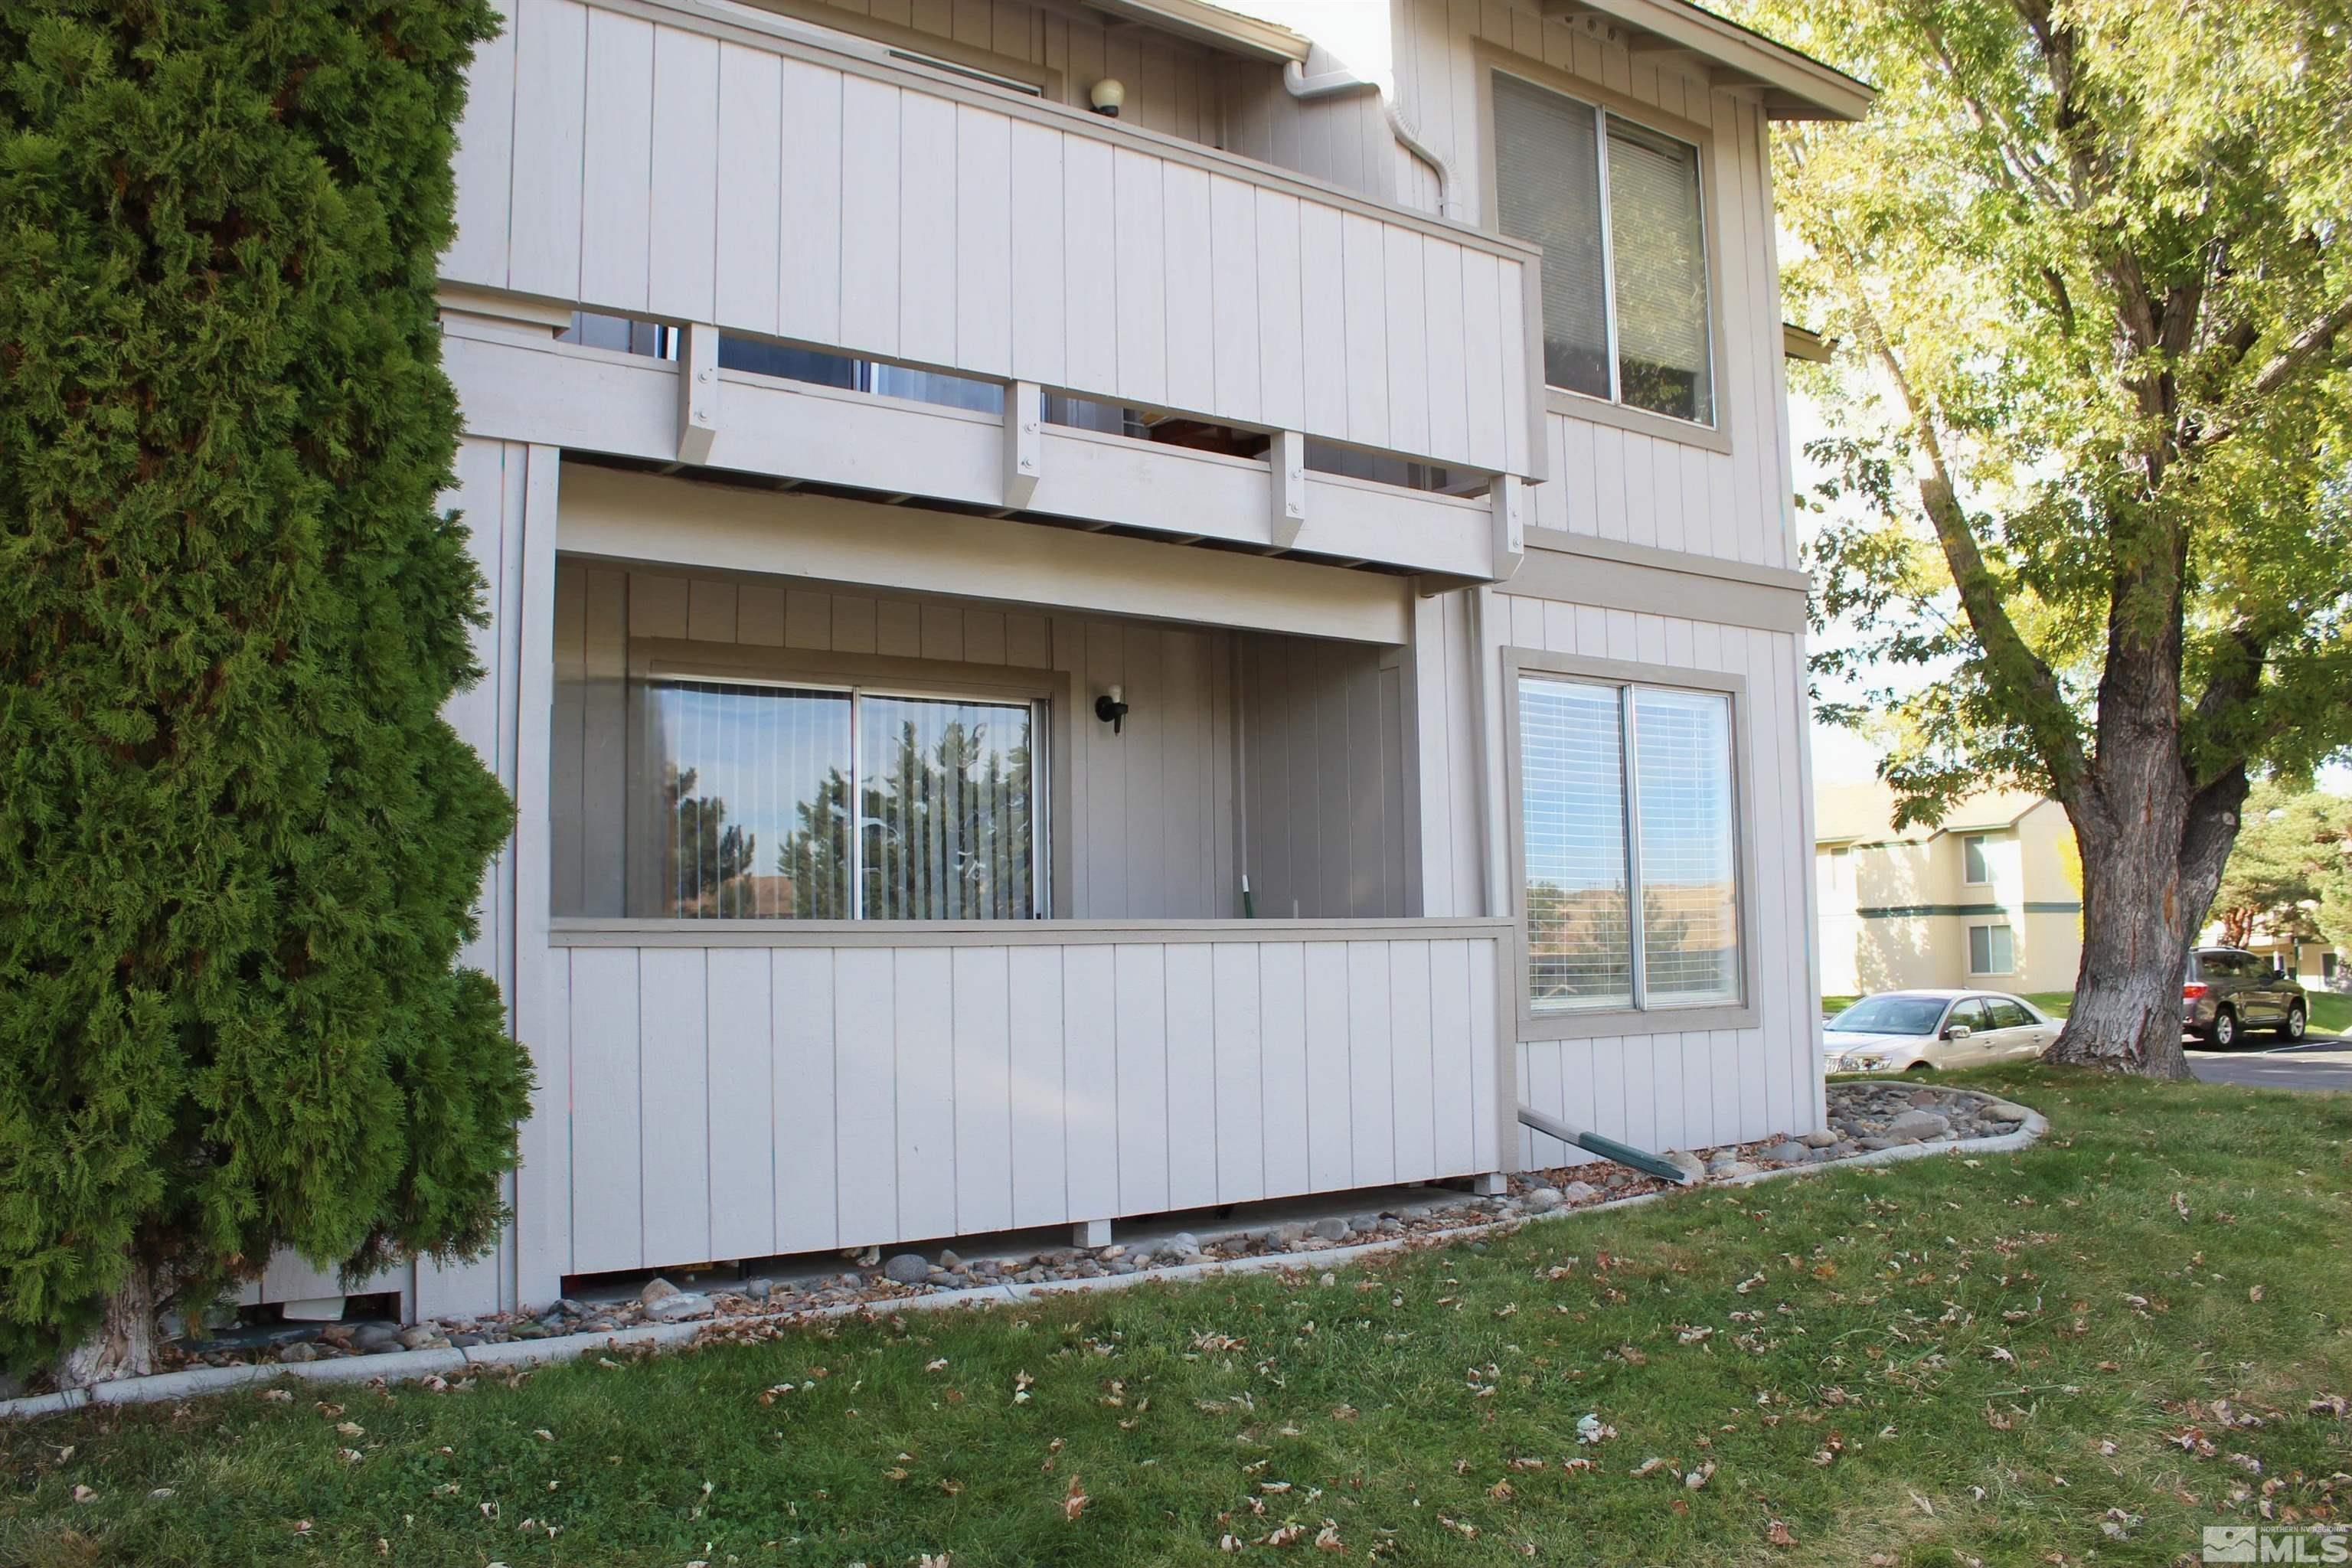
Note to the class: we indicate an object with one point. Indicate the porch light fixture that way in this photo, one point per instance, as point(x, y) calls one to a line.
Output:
point(1111, 708)
point(1106, 95)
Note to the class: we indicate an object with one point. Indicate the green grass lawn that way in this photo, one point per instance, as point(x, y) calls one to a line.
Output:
point(2019, 1359)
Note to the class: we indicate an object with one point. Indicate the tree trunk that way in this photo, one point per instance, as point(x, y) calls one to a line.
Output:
point(123, 1343)
point(2149, 872)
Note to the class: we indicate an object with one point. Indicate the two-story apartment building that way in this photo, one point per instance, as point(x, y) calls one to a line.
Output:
point(1059, 667)
point(1991, 896)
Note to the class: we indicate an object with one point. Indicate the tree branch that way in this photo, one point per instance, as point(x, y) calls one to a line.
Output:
point(2030, 682)
point(2306, 345)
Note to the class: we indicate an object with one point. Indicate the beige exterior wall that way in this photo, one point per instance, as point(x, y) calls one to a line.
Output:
point(1899, 914)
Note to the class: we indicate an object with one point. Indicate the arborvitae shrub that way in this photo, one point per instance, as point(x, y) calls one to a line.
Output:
point(238, 844)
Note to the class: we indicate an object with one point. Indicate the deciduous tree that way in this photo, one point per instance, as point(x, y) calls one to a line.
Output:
point(2090, 427)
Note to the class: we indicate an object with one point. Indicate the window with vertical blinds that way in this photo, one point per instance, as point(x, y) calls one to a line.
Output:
point(1616, 207)
point(1629, 880)
point(779, 802)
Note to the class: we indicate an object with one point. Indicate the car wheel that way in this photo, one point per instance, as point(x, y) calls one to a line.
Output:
point(1919, 1067)
point(2224, 1032)
point(2296, 1021)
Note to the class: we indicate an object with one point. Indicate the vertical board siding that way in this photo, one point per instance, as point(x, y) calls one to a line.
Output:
point(739, 1102)
point(656, 169)
point(1324, 745)
point(1637, 486)
point(1696, 1088)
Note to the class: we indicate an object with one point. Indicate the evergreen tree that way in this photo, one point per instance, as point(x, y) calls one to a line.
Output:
point(238, 843)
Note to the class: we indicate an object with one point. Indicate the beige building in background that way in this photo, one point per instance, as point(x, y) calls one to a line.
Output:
point(1990, 897)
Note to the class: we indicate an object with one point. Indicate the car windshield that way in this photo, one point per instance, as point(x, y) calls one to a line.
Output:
point(1889, 1015)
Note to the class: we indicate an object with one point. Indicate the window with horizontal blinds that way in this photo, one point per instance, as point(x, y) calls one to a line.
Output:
point(1628, 831)
point(1572, 760)
point(1548, 188)
point(769, 801)
point(1616, 207)
point(1682, 771)
point(1663, 360)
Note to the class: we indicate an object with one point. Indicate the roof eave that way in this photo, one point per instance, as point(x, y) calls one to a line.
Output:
point(1793, 86)
point(1229, 31)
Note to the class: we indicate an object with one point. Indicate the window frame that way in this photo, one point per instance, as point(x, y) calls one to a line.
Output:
point(1982, 841)
point(1988, 926)
point(880, 675)
point(1716, 435)
point(1642, 1017)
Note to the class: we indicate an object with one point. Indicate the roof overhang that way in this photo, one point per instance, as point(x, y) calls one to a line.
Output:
point(1212, 26)
point(1804, 344)
point(1791, 86)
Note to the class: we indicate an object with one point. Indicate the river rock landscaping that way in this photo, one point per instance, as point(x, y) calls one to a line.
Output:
point(1863, 1116)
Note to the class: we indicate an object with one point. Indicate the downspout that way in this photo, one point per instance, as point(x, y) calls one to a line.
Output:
point(1332, 84)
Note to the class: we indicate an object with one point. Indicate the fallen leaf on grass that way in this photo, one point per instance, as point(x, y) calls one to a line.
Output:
point(1700, 1477)
point(1649, 1466)
point(1777, 1534)
point(84, 1494)
point(1075, 1501)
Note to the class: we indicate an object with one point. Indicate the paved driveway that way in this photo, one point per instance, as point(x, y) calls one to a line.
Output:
point(2320, 1061)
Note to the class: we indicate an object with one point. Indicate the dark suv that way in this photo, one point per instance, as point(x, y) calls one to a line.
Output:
point(2228, 990)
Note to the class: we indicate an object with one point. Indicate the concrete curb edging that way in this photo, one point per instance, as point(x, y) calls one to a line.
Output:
point(458, 1361)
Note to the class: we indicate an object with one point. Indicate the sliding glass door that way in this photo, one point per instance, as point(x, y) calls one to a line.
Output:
point(788, 802)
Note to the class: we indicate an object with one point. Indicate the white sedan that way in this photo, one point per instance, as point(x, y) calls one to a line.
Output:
point(1918, 1031)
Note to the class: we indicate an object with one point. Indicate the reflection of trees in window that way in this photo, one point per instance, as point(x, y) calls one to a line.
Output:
point(946, 830)
point(708, 861)
point(814, 859)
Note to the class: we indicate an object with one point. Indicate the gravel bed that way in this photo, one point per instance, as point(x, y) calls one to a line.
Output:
point(1863, 1116)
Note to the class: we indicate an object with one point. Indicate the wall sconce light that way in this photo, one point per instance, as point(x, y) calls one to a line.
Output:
point(1111, 708)
point(1106, 95)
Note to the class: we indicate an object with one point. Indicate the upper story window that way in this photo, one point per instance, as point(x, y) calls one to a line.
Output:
point(1976, 859)
point(1615, 206)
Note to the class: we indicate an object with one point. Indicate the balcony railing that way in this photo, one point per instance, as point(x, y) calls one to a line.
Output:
point(692, 164)
point(915, 1079)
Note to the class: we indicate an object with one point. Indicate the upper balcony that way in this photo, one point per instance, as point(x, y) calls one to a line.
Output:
point(725, 172)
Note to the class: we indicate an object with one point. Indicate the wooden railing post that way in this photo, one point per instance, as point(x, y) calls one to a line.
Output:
point(1025, 442)
point(697, 390)
point(1286, 461)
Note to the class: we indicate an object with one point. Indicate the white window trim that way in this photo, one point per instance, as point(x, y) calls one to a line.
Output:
point(1991, 926)
point(1638, 1019)
point(1715, 434)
